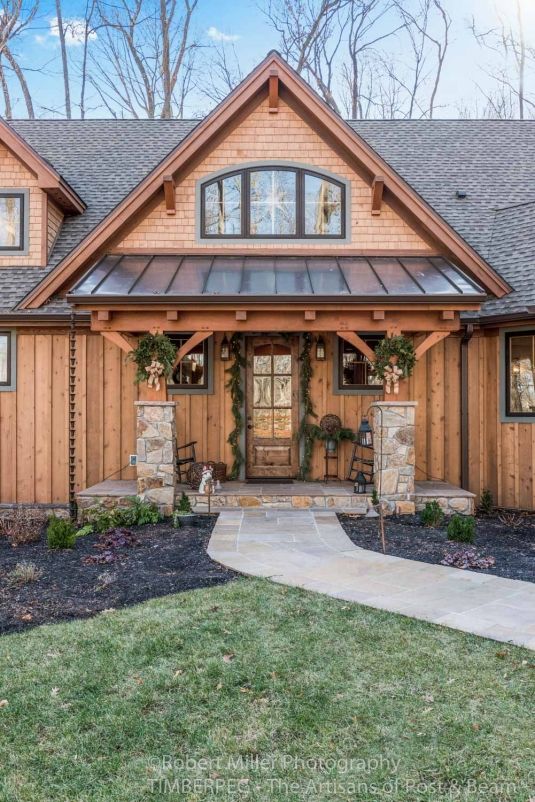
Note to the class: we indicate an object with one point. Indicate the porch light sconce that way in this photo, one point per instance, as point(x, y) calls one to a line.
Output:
point(320, 349)
point(225, 349)
point(360, 484)
point(364, 434)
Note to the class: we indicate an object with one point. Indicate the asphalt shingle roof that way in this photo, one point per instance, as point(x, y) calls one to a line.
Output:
point(493, 161)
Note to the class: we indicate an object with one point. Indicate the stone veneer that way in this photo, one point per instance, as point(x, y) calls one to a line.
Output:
point(156, 453)
point(394, 455)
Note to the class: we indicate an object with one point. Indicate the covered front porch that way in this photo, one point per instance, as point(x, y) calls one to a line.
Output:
point(266, 348)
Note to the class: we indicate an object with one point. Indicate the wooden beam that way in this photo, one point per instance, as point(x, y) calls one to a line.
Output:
point(288, 318)
point(432, 339)
point(104, 314)
point(377, 194)
point(169, 193)
point(378, 314)
point(123, 341)
point(194, 340)
point(358, 342)
point(273, 91)
point(310, 314)
point(241, 314)
point(171, 314)
point(448, 314)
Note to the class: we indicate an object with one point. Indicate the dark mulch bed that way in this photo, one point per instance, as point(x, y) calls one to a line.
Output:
point(163, 560)
point(513, 546)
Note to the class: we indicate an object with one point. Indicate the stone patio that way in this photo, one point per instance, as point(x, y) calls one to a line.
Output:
point(310, 550)
point(297, 495)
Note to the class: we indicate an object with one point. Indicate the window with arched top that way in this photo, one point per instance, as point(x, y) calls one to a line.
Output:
point(275, 202)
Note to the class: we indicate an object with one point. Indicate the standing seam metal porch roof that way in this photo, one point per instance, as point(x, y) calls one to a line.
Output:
point(272, 278)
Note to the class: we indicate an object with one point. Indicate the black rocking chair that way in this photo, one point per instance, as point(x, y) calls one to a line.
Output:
point(182, 463)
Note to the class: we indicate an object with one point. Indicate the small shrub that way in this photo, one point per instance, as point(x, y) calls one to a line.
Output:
point(144, 512)
point(432, 514)
point(23, 573)
point(486, 502)
point(462, 529)
point(60, 534)
point(375, 498)
point(467, 558)
point(21, 525)
point(184, 505)
point(138, 513)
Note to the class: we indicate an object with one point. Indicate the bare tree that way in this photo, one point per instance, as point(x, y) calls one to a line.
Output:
point(15, 17)
point(220, 72)
point(142, 62)
point(64, 60)
point(507, 96)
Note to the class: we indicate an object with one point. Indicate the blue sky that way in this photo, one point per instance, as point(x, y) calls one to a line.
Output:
point(244, 23)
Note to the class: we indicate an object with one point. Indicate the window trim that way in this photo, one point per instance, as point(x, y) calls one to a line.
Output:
point(23, 194)
point(301, 170)
point(505, 389)
point(11, 383)
point(208, 387)
point(355, 389)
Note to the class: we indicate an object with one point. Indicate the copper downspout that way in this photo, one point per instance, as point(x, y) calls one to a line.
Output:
point(465, 470)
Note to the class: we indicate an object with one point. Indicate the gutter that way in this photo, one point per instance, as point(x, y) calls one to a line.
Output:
point(465, 470)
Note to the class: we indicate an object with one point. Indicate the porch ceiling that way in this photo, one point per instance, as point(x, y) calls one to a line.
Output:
point(186, 279)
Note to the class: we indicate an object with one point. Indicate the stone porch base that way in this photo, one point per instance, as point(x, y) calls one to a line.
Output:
point(336, 496)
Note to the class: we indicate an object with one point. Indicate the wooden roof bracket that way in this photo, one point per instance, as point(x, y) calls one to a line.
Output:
point(377, 194)
point(432, 339)
point(358, 342)
point(169, 193)
point(273, 91)
point(195, 339)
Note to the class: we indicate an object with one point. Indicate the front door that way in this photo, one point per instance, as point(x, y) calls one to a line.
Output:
point(272, 407)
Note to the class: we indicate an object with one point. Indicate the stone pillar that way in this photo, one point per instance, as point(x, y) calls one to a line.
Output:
point(393, 450)
point(156, 453)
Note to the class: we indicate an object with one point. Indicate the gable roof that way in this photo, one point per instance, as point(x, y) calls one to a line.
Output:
point(493, 160)
point(49, 179)
point(325, 121)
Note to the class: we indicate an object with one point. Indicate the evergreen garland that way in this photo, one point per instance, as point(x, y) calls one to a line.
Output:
point(235, 386)
point(306, 431)
point(153, 347)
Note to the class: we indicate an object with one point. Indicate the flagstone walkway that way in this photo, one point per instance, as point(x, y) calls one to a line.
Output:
point(310, 550)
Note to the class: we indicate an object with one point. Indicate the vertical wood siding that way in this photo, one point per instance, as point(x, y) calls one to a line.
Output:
point(500, 454)
point(34, 420)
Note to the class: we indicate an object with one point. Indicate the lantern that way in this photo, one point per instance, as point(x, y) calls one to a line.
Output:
point(364, 434)
point(320, 349)
point(225, 349)
point(360, 484)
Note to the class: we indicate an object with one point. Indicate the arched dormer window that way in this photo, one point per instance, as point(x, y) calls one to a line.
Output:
point(273, 202)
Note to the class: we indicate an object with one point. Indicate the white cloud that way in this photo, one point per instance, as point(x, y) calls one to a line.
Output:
point(40, 40)
point(218, 36)
point(74, 31)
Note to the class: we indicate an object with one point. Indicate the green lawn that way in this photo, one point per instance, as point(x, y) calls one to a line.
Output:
point(346, 702)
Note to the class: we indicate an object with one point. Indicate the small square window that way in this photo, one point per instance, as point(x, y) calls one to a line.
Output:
point(7, 360)
point(520, 374)
point(191, 373)
point(354, 369)
point(11, 221)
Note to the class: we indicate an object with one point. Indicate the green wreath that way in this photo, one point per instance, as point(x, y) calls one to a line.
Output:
point(153, 348)
point(397, 346)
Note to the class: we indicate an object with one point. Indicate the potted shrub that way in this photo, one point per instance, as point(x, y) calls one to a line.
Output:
point(184, 515)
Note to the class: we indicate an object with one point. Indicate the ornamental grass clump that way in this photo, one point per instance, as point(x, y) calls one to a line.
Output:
point(462, 529)
point(60, 534)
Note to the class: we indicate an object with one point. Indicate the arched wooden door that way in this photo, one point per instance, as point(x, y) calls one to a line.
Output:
point(272, 407)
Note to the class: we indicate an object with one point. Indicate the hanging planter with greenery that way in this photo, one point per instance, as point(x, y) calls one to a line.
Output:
point(306, 429)
point(394, 360)
point(235, 385)
point(155, 358)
